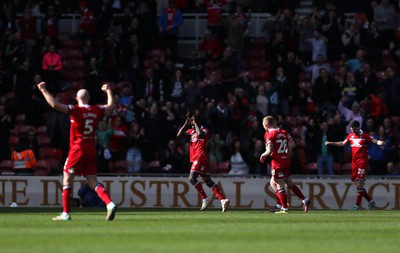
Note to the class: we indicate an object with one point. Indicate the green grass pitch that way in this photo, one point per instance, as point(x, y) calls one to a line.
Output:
point(31, 230)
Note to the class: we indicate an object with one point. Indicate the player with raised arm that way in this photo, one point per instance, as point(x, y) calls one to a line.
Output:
point(198, 156)
point(358, 141)
point(279, 145)
point(82, 153)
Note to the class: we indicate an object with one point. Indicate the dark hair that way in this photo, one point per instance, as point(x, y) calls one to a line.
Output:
point(355, 124)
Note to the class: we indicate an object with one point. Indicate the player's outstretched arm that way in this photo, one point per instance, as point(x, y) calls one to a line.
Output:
point(336, 143)
point(181, 130)
point(110, 99)
point(378, 142)
point(51, 100)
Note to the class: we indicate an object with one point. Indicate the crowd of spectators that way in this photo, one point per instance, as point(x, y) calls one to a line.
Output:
point(316, 72)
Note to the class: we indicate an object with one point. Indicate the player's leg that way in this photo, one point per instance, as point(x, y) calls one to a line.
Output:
point(296, 190)
point(278, 205)
point(194, 180)
point(217, 191)
point(66, 196)
point(103, 195)
point(362, 192)
point(281, 194)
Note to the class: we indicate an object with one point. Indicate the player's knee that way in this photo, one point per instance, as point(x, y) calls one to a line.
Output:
point(194, 181)
point(210, 183)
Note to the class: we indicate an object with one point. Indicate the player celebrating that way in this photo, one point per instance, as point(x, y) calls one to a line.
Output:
point(358, 141)
point(279, 145)
point(198, 156)
point(82, 154)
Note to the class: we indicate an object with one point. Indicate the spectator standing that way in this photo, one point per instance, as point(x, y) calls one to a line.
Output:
point(351, 40)
point(5, 127)
point(87, 23)
point(135, 143)
point(172, 158)
point(391, 92)
point(104, 132)
point(169, 23)
point(386, 20)
point(350, 115)
point(50, 24)
point(235, 41)
point(238, 160)
point(27, 24)
point(305, 30)
point(358, 141)
point(82, 156)
point(326, 91)
point(93, 80)
point(118, 139)
point(198, 156)
point(110, 57)
point(325, 159)
point(318, 43)
point(51, 65)
point(379, 156)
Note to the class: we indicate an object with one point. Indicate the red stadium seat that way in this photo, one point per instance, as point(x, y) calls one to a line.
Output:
point(12, 142)
point(213, 167)
point(346, 168)
point(120, 167)
point(312, 168)
point(43, 168)
point(337, 168)
point(7, 167)
point(223, 167)
point(44, 141)
point(20, 118)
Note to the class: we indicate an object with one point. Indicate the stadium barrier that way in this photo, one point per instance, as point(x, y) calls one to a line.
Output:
point(177, 192)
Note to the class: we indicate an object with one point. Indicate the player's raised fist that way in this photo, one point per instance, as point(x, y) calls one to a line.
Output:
point(41, 86)
point(105, 87)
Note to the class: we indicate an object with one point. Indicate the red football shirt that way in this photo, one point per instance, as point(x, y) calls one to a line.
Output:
point(198, 146)
point(359, 146)
point(279, 138)
point(84, 121)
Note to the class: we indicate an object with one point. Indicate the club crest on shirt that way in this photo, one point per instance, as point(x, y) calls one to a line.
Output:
point(356, 142)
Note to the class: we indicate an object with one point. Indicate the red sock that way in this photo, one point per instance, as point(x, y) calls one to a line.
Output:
point(281, 193)
point(296, 190)
point(360, 193)
point(366, 195)
point(200, 189)
point(66, 198)
point(218, 192)
point(278, 201)
point(102, 193)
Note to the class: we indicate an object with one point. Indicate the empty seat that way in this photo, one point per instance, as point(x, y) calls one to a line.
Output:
point(223, 167)
point(120, 167)
point(7, 167)
point(41, 131)
point(346, 168)
point(20, 118)
point(213, 167)
point(312, 168)
point(44, 141)
point(43, 168)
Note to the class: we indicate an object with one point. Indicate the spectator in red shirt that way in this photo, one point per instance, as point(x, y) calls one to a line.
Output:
point(211, 45)
point(87, 23)
point(118, 139)
point(51, 65)
point(27, 23)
